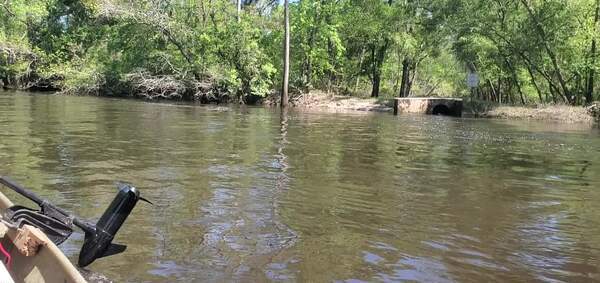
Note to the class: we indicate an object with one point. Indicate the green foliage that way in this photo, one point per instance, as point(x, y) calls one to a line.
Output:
point(317, 42)
point(248, 69)
point(523, 50)
point(538, 48)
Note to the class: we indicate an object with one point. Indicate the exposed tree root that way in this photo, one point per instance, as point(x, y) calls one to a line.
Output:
point(28, 77)
point(148, 86)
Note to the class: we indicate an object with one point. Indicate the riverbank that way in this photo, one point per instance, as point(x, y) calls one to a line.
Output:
point(339, 103)
point(321, 101)
point(556, 113)
point(562, 113)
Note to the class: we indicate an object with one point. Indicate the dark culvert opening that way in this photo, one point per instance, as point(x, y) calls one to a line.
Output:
point(441, 109)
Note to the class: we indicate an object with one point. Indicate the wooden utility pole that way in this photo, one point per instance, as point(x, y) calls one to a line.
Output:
point(239, 10)
point(286, 56)
point(589, 93)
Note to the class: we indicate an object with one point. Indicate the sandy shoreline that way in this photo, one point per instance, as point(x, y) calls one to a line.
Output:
point(554, 113)
point(557, 113)
point(339, 103)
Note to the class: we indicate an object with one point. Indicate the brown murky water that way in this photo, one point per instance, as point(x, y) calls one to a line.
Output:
point(241, 196)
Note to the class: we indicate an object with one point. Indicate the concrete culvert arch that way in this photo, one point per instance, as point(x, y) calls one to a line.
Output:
point(429, 105)
point(441, 109)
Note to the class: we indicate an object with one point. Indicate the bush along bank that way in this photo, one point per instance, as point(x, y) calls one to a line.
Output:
point(19, 70)
point(23, 69)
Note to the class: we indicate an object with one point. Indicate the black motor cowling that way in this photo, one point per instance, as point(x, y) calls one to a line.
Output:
point(98, 240)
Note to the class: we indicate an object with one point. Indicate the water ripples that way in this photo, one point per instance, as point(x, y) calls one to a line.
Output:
point(252, 195)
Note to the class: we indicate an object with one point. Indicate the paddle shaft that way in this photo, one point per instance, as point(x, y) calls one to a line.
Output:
point(42, 202)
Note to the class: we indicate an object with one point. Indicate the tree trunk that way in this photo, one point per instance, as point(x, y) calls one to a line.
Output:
point(307, 70)
point(405, 77)
point(239, 10)
point(534, 82)
point(531, 68)
point(378, 58)
point(493, 94)
point(411, 78)
point(376, 83)
point(360, 64)
point(580, 85)
point(203, 13)
point(515, 79)
point(286, 56)
point(377, 64)
point(589, 92)
point(332, 61)
point(398, 74)
point(499, 91)
point(510, 98)
point(553, 91)
point(540, 29)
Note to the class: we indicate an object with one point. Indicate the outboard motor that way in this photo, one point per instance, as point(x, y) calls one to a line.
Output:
point(98, 241)
point(58, 223)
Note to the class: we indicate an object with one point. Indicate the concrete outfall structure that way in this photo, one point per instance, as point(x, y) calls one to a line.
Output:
point(429, 105)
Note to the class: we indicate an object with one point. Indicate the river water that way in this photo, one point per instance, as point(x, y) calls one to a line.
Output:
point(249, 194)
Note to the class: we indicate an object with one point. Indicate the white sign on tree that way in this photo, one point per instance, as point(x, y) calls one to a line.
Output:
point(472, 80)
